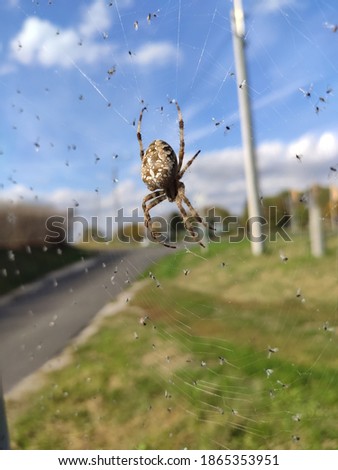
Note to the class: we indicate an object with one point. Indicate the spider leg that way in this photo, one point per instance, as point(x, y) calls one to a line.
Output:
point(156, 197)
point(138, 135)
point(193, 211)
point(181, 197)
point(195, 214)
point(181, 173)
point(181, 128)
point(187, 224)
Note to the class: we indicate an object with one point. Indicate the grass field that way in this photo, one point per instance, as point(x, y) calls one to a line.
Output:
point(218, 350)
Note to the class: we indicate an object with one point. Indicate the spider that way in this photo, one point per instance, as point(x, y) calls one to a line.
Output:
point(162, 173)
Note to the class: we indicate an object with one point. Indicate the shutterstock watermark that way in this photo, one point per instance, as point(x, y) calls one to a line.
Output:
point(129, 228)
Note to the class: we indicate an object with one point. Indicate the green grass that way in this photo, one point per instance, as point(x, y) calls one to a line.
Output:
point(164, 386)
point(24, 265)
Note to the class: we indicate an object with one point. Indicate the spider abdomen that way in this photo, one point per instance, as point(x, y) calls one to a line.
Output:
point(159, 166)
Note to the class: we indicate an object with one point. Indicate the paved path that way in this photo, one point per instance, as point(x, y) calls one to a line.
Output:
point(37, 322)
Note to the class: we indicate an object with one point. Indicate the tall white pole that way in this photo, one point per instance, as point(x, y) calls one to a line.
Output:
point(254, 208)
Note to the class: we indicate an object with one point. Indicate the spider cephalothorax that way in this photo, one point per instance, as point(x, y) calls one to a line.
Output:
point(161, 171)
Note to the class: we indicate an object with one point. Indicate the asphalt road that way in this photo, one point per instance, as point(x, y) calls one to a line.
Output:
point(37, 322)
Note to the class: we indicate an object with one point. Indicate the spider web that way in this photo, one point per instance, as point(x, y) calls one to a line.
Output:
point(255, 386)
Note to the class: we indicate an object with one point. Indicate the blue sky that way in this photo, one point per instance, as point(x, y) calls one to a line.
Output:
point(65, 117)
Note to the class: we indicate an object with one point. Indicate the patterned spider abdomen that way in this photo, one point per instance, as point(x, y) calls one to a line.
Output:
point(159, 167)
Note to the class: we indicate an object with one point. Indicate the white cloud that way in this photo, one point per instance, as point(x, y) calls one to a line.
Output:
point(156, 54)
point(44, 43)
point(16, 193)
point(268, 6)
point(219, 175)
point(66, 197)
point(95, 19)
point(327, 146)
point(5, 69)
point(13, 3)
point(301, 146)
point(88, 203)
point(215, 178)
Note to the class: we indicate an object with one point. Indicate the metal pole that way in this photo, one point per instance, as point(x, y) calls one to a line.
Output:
point(4, 436)
point(254, 210)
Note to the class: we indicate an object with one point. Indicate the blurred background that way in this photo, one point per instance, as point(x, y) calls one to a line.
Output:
point(73, 80)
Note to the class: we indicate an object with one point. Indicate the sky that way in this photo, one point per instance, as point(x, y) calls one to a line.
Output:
point(75, 75)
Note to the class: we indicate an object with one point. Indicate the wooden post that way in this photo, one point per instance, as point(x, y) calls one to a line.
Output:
point(315, 225)
point(334, 207)
point(293, 202)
